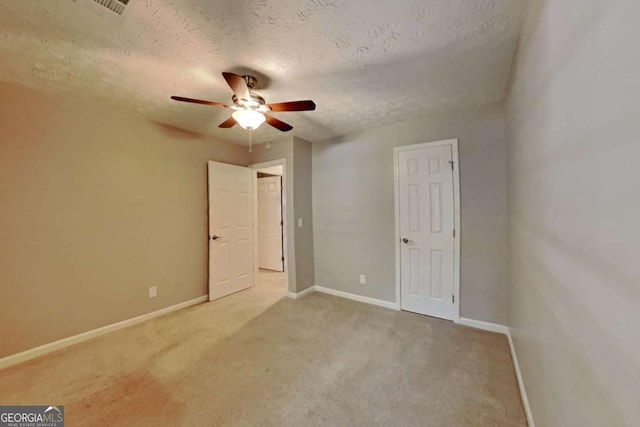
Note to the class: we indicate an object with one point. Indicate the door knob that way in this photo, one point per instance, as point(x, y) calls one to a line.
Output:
point(214, 237)
point(407, 241)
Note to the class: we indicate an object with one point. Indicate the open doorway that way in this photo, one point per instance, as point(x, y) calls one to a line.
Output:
point(270, 230)
point(270, 222)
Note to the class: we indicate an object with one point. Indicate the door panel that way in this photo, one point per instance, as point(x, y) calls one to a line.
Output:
point(426, 226)
point(270, 223)
point(231, 223)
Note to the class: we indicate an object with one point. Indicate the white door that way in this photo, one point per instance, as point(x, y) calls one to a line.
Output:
point(270, 223)
point(231, 250)
point(426, 231)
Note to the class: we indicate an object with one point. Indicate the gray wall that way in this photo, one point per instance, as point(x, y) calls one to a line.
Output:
point(96, 205)
point(574, 180)
point(353, 207)
point(302, 184)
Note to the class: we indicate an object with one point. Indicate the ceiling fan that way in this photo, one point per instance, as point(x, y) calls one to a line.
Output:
point(250, 109)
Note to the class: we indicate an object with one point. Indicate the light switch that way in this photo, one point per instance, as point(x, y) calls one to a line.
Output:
point(299, 222)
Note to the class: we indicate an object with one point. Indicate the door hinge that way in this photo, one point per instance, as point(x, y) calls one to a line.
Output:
point(282, 258)
point(454, 233)
point(451, 163)
point(281, 222)
point(453, 299)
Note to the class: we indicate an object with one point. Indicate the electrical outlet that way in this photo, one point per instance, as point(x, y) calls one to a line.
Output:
point(363, 279)
point(153, 291)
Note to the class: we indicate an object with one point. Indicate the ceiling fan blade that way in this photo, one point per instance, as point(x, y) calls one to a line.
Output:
point(278, 124)
point(307, 105)
point(198, 101)
point(238, 85)
point(229, 123)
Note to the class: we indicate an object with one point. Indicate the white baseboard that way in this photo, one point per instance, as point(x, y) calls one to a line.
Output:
point(301, 293)
point(359, 298)
point(523, 391)
point(486, 326)
point(23, 356)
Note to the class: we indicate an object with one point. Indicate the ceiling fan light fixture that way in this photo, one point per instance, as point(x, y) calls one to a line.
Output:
point(249, 119)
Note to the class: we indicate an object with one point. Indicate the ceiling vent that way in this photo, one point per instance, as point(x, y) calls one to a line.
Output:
point(116, 6)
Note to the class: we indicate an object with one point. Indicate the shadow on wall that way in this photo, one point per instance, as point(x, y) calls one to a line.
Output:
point(176, 132)
point(263, 80)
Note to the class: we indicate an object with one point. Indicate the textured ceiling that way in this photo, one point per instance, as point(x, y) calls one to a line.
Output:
point(364, 62)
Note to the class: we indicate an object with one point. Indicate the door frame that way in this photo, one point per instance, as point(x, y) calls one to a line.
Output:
point(278, 179)
point(453, 143)
point(285, 216)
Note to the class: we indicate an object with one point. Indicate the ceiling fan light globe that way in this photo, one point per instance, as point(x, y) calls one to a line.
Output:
point(249, 119)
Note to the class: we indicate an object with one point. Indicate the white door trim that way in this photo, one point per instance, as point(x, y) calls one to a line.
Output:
point(453, 143)
point(285, 216)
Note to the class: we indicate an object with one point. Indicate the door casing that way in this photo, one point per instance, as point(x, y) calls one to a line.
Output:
point(453, 143)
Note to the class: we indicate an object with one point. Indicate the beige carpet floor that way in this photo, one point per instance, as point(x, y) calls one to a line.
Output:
point(257, 358)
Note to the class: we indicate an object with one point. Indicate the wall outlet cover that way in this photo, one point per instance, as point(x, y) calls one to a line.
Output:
point(363, 279)
point(153, 291)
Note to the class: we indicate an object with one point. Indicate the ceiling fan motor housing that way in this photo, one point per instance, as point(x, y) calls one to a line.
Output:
point(255, 103)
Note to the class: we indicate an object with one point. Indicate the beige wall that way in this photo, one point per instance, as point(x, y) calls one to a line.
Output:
point(96, 205)
point(353, 207)
point(574, 180)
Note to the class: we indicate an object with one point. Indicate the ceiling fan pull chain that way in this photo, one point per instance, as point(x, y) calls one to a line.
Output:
point(250, 140)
